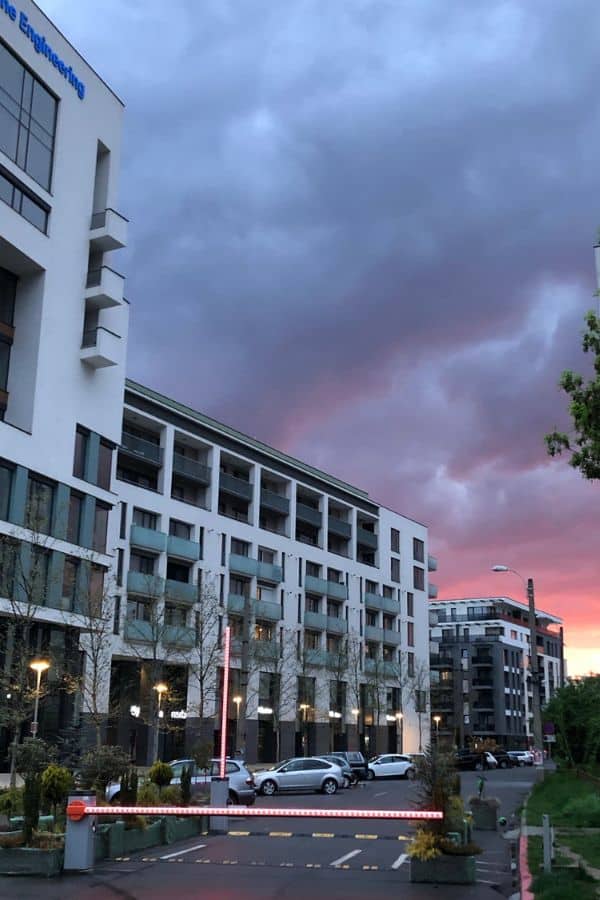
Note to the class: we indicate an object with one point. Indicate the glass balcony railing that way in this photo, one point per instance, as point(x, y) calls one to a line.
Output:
point(191, 468)
point(274, 502)
point(236, 487)
point(141, 448)
point(308, 514)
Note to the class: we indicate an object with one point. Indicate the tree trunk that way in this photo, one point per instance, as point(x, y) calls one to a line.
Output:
point(13, 760)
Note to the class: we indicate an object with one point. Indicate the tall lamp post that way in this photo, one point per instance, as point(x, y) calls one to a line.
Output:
point(400, 721)
point(237, 700)
point(304, 707)
point(538, 740)
point(437, 720)
point(160, 688)
point(39, 666)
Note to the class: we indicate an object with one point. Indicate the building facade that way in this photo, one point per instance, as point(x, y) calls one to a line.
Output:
point(480, 679)
point(132, 533)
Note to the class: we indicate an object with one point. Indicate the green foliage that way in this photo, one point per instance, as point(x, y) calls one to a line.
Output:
point(32, 795)
point(170, 795)
point(102, 765)
point(56, 784)
point(575, 712)
point(584, 409)
point(33, 756)
point(129, 788)
point(148, 795)
point(160, 774)
point(436, 778)
point(202, 755)
point(424, 845)
point(11, 802)
point(584, 812)
point(552, 796)
point(186, 785)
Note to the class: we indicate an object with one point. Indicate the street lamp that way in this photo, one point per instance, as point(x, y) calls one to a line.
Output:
point(160, 688)
point(356, 713)
point(535, 677)
point(400, 720)
point(39, 666)
point(237, 700)
point(304, 707)
point(437, 720)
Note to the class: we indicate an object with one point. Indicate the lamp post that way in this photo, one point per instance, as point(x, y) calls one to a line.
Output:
point(160, 688)
point(400, 721)
point(39, 666)
point(535, 676)
point(237, 700)
point(356, 713)
point(304, 707)
point(437, 720)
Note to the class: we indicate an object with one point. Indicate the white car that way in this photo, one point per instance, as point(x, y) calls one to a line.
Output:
point(303, 773)
point(522, 757)
point(391, 765)
point(492, 762)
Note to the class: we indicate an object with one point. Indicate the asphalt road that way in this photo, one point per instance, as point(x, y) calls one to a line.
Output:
point(295, 858)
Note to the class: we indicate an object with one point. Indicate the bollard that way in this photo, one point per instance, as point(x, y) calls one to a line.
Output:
point(219, 796)
point(79, 837)
point(547, 843)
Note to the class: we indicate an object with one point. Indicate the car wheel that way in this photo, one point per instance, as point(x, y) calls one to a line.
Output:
point(233, 799)
point(410, 774)
point(268, 788)
point(504, 764)
point(478, 767)
point(329, 786)
point(370, 774)
point(347, 781)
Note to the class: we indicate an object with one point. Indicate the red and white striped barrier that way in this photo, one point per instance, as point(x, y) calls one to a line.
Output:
point(77, 809)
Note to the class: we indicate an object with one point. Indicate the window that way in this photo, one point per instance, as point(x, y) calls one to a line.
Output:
point(9, 551)
point(410, 634)
point(138, 562)
point(40, 502)
point(100, 527)
point(117, 615)
point(313, 604)
point(410, 664)
point(395, 540)
point(120, 567)
point(418, 578)
point(239, 586)
point(418, 550)
point(312, 640)
point(69, 585)
point(180, 529)
point(123, 521)
point(82, 438)
point(178, 572)
point(145, 519)
point(96, 590)
point(27, 119)
point(265, 555)
point(371, 619)
point(175, 615)
point(8, 291)
point(388, 592)
point(5, 346)
point(74, 520)
point(19, 198)
point(395, 570)
point(240, 548)
point(410, 604)
point(139, 609)
point(105, 455)
point(37, 586)
point(6, 477)
point(263, 631)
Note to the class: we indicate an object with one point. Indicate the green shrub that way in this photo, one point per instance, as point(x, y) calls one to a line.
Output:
point(11, 802)
point(584, 812)
point(160, 774)
point(56, 784)
point(102, 765)
point(170, 795)
point(129, 788)
point(148, 795)
point(32, 795)
point(33, 756)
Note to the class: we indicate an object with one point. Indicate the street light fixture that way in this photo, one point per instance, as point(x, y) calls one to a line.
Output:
point(437, 720)
point(39, 666)
point(160, 688)
point(400, 720)
point(535, 675)
point(237, 700)
point(304, 707)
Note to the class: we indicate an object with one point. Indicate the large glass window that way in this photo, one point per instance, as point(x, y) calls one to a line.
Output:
point(82, 437)
point(27, 119)
point(5, 345)
point(8, 292)
point(74, 521)
point(100, 527)
point(6, 476)
point(105, 454)
point(40, 501)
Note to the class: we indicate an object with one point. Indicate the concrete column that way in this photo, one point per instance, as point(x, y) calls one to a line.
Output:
point(90, 472)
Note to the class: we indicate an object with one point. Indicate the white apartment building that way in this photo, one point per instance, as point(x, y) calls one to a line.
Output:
point(132, 534)
point(63, 331)
point(480, 668)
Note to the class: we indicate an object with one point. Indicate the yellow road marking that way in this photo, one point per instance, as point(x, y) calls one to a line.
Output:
point(366, 837)
point(238, 833)
point(403, 837)
point(323, 834)
point(280, 834)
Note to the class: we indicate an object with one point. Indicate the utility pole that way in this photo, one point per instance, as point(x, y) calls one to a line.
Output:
point(534, 669)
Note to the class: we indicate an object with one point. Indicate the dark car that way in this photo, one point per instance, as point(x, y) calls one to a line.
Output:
point(350, 776)
point(357, 762)
point(471, 759)
point(504, 760)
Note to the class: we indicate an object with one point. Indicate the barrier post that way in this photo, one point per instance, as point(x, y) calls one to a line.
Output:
point(79, 836)
point(219, 795)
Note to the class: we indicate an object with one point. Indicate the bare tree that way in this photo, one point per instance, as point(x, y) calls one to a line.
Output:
point(282, 667)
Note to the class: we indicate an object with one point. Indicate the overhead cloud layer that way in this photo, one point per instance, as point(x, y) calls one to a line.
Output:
point(361, 231)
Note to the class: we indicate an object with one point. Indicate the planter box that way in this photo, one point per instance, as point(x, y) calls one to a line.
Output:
point(181, 829)
point(444, 869)
point(141, 839)
point(485, 818)
point(30, 861)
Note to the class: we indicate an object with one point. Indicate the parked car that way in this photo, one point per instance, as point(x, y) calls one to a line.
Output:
point(356, 760)
point(475, 759)
point(241, 781)
point(304, 773)
point(350, 776)
point(521, 757)
point(504, 760)
point(390, 765)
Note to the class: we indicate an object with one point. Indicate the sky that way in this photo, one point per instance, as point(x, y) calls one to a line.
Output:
point(362, 231)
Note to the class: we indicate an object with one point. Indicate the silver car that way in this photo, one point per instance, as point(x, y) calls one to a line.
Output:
point(241, 781)
point(304, 773)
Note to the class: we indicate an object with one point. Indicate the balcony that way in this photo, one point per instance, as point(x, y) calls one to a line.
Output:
point(269, 572)
point(482, 661)
point(432, 563)
point(108, 231)
point(140, 448)
point(315, 657)
point(483, 682)
point(373, 665)
point(142, 583)
point(275, 502)
point(308, 514)
point(336, 625)
point(336, 591)
point(137, 630)
point(432, 591)
point(366, 538)
point(191, 469)
point(236, 604)
point(148, 539)
point(391, 636)
point(441, 662)
point(178, 636)
point(267, 650)
point(340, 528)
point(181, 548)
point(243, 565)
point(103, 288)
point(181, 591)
point(315, 585)
point(315, 620)
point(100, 348)
point(386, 604)
point(266, 609)
point(372, 633)
point(236, 487)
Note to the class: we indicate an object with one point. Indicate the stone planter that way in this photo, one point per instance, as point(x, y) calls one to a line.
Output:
point(31, 861)
point(485, 816)
point(444, 869)
point(179, 829)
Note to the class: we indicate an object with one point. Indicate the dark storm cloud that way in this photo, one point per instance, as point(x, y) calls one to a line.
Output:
point(362, 231)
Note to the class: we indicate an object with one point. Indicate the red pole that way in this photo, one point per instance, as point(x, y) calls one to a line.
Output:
point(225, 700)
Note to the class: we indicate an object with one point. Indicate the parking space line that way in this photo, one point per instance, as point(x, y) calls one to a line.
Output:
point(400, 861)
point(323, 834)
point(280, 834)
point(181, 852)
point(380, 794)
point(343, 859)
point(366, 837)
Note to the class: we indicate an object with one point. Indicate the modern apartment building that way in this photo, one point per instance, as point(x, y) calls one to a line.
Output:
point(480, 660)
point(325, 592)
point(63, 330)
